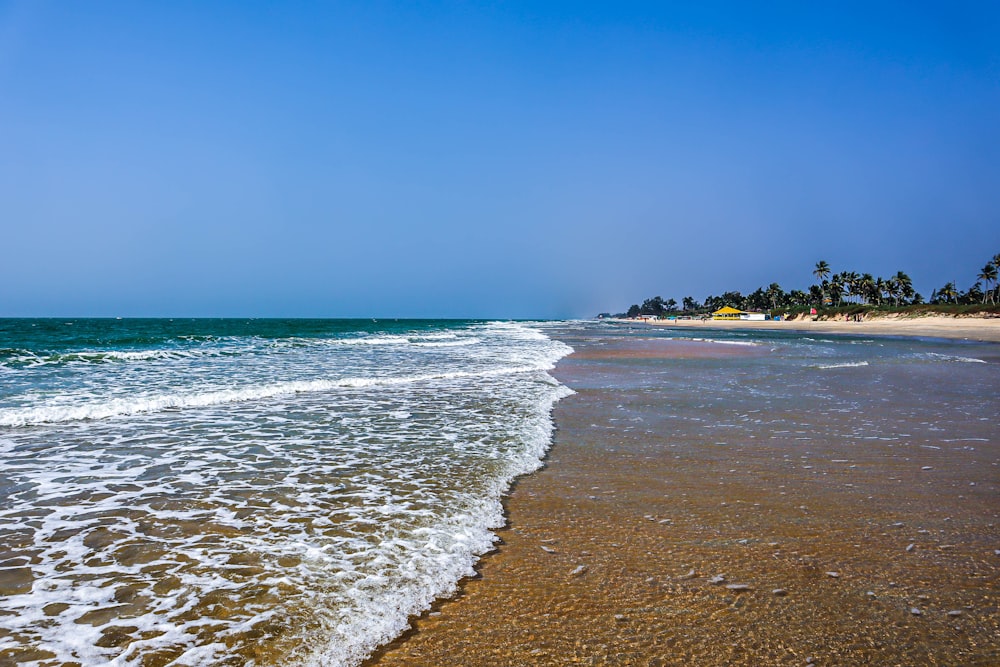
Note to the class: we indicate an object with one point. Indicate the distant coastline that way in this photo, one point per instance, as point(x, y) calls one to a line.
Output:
point(845, 295)
point(980, 326)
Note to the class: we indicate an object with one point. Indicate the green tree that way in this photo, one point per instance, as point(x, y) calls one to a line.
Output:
point(836, 289)
point(822, 271)
point(866, 287)
point(904, 288)
point(846, 282)
point(946, 294)
point(972, 295)
point(775, 295)
point(988, 275)
point(852, 285)
point(881, 290)
point(654, 307)
point(996, 263)
point(734, 299)
point(817, 294)
point(757, 300)
point(893, 290)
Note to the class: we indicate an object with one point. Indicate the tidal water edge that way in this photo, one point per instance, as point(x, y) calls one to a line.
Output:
point(743, 499)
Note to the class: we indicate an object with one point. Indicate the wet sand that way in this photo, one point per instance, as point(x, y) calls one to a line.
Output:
point(647, 545)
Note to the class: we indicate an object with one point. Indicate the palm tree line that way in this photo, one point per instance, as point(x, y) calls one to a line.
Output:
point(833, 290)
point(836, 289)
point(984, 291)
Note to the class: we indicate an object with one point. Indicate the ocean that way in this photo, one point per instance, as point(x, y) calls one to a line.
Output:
point(262, 492)
point(213, 492)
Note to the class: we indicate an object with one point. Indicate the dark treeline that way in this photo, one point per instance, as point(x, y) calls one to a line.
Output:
point(831, 291)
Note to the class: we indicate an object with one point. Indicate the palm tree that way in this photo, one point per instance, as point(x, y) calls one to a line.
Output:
point(775, 293)
point(948, 293)
point(836, 290)
point(838, 286)
point(893, 290)
point(996, 264)
point(988, 275)
point(817, 294)
point(822, 271)
point(866, 285)
point(852, 284)
point(905, 285)
point(881, 289)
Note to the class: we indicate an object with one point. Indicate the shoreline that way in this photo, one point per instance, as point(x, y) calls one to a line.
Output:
point(933, 326)
point(612, 552)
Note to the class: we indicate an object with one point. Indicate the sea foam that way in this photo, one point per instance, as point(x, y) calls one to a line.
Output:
point(309, 511)
point(104, 409)
point(846, 364)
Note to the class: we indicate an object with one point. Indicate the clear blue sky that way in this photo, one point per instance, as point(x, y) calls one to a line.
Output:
point(513, 159)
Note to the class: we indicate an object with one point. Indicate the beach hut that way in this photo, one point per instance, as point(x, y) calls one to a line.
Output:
point(727, 313)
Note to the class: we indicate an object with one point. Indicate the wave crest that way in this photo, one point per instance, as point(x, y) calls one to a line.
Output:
point(118, 407)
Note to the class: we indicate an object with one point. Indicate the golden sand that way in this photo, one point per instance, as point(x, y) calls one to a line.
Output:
point(934, 326)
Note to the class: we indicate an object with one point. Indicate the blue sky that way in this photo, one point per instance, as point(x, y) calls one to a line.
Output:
point(550, 159)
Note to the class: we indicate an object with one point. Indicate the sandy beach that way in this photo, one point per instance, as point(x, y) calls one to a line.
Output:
point(645, 541)
point(936, 326)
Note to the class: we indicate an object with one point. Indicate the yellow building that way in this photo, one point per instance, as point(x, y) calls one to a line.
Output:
point(727, 313)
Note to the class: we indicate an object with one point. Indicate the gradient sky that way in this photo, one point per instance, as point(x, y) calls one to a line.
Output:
point(473, 159)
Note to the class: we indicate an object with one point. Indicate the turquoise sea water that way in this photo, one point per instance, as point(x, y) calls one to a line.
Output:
point(199, 492)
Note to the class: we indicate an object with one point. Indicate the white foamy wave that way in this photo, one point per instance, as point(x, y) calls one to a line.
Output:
point(747, 343)
point(517, 331)
point(459, 342)
point(30, 359)
point(846, 364)
point(379, 340)
point(951, 357)
point(373, 340)
point(383, 608)
point(434, 336)
point(118, 407)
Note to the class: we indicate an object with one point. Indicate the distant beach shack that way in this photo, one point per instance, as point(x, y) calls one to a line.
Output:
point(730, 313)
point(727, 313)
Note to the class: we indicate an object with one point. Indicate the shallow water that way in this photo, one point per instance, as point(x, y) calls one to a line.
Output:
point(845, 487)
